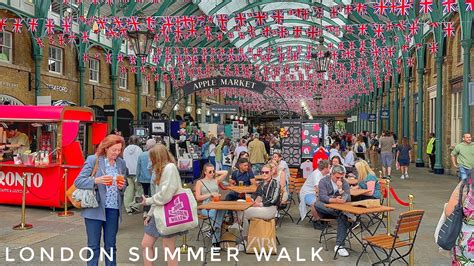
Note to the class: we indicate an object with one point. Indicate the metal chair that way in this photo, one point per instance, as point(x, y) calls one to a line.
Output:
point(408, 223)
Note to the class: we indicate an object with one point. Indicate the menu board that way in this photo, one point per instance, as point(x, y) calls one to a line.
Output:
point(81, 137)
point(309, 139)
point(290, 135)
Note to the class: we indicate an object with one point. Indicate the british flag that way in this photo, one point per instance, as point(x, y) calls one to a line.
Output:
point(17, 25)
point(404, 7)
point(381, 8)
point(260, 17)
point(222, 20)
point(240, 19)
point(278, 17)
point(449, 6)
point(32, 24)
point(426, 6)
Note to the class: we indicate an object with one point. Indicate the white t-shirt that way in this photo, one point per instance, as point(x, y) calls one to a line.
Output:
point(240, 149)
point(212, 150)
point(312, 181)
point(349, 160)
point(307, 167)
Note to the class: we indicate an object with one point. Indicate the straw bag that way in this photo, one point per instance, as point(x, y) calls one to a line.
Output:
point(178, 215)
point(84, 198)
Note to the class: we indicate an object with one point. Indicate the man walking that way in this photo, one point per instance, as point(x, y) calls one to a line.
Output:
point(130, 155)
point(257, 154)
point(463, 156)
point(387, 143)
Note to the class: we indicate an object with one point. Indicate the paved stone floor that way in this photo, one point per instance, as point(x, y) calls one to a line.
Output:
point(50, 231)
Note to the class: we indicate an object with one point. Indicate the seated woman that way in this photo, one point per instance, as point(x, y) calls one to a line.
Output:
point(266, 199)
point(207, 188)
point(279, 174)
point(367, 180)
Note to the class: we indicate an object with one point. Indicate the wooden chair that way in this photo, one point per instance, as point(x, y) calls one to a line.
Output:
point(408, 222)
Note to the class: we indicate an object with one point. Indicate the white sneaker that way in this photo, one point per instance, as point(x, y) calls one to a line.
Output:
point(402, 177)
point(406, 176)
point(341, 252)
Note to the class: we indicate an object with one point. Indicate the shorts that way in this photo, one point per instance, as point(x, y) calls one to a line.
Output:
point(403, 162)
point(151, 230)
point(463, 172)
point(387, 159)
point(310, 199)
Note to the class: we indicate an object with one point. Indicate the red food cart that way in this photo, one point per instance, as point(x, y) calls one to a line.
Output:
point(63, 135)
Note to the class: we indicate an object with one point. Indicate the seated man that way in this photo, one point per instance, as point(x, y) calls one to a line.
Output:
point(308, 192)
point(334, 189)
point(242, 174)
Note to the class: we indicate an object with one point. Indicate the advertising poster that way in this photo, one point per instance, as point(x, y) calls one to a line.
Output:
point(309, 139)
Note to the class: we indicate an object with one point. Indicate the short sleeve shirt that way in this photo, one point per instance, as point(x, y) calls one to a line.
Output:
point(363, 184)
point(112, 194)
point(245, 177)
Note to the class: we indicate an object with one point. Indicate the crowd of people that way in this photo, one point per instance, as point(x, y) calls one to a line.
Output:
point(153, 173)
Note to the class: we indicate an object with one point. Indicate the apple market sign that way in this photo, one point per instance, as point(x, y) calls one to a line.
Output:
point(219, 82)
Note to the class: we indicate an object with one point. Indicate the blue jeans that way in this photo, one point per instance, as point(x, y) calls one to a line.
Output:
point(463, 172)
point(342, 222)
point(94, 233)
point(217, 217)
point(212, 160)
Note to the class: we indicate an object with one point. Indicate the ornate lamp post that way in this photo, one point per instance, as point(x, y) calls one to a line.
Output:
point(141, 42)
point(321, 57)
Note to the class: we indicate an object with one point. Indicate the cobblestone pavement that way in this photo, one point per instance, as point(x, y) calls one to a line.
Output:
point(50, 231)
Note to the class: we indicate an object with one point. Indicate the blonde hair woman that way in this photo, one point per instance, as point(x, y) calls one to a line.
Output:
point(279, 174)
point(367, 180)
point(167, 182)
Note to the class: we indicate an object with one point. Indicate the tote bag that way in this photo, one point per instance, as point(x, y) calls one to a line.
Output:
point(449, 232)
point(178, 215)
point(262, 236)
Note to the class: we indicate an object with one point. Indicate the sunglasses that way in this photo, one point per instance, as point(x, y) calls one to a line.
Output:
point(211, 172)
point(265, 172)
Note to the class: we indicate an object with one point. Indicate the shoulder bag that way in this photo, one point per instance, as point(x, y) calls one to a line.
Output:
point(84, 198)
point(449, 232)
point(178, 215)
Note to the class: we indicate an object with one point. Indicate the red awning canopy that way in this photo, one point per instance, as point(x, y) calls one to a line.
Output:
point(45, 113)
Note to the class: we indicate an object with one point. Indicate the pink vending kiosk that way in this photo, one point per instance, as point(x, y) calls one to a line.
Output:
point(59, 139)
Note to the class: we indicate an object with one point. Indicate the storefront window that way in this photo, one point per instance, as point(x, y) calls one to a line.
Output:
point(55, 60)
point(145, 86)
point(162, 89)
point(5, 46)
point(94, 70)
point(456, 117)
point(123, 80)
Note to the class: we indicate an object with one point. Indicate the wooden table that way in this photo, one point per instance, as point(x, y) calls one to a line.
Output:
point(243, 189)
point(358, 191)
point(358, 212)
point(259, 177)
point(226, 205)
point(234, 206)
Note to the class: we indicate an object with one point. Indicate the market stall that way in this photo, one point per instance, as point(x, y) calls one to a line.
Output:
point(57, 140)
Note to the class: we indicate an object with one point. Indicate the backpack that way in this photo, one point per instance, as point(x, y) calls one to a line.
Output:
point(360, 149)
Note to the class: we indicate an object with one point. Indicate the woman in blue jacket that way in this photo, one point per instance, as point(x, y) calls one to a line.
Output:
point(100, 173)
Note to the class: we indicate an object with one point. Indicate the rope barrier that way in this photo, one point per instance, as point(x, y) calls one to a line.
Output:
point(395, 196)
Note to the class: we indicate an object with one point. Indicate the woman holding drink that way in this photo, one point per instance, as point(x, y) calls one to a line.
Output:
point(207, 188)
point(104, 172)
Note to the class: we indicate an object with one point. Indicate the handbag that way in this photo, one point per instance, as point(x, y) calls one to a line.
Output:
point(84, 198)
point(262, 236)
point(450, 229)
point(441, 221)
point(227, 160)
point(178, 215)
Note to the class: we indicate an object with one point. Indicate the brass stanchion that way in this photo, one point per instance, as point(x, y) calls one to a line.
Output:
point(380, 175)
point(184, 248)
point(388, 205)
point(23, 225)
point(65, 213)
point(412, 253)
